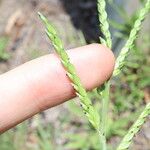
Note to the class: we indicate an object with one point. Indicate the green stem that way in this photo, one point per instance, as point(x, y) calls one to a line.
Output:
point(105, 105)
point(104, 114)
point(102, 141)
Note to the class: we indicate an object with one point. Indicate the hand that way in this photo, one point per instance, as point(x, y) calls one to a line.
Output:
point(42, 83)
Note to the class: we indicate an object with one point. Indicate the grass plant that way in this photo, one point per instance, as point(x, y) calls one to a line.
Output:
point(99, 122)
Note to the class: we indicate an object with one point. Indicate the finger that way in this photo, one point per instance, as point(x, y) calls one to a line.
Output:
point(42, 83)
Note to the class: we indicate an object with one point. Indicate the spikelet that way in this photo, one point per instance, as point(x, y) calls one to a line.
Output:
point(134, 129)
point(86, 104)
point(104, 25)
point(120, 62)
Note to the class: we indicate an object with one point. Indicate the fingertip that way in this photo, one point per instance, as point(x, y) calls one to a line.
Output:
point(97, 64)
point(107, 61)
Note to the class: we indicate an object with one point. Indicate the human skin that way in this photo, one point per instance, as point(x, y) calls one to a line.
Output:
point(42, 83)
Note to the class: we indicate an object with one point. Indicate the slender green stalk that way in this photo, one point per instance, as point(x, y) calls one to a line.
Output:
point(105, 105)
point(86, 104)
point(134, 129)
point(104, 113)
point(104, 27)
point(102, 140)
point(120, 62)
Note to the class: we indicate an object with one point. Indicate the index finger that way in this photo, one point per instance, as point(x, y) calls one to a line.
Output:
point(42, 83)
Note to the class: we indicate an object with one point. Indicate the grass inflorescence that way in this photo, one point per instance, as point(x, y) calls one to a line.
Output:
point(125, 143)
point(104, 25)
point(86, 103)
point(120, 62)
